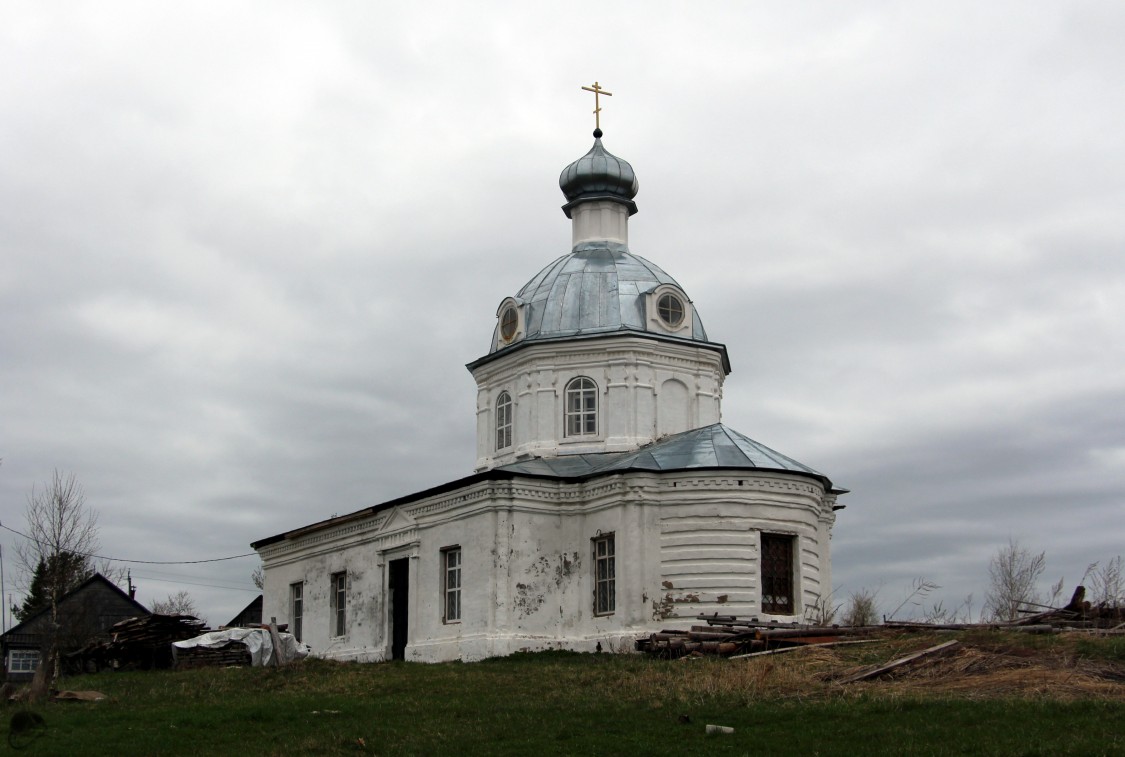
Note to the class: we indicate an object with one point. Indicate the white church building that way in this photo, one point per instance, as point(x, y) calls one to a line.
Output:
point(608, 501)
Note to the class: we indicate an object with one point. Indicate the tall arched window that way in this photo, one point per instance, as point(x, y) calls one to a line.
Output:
point(503, 421)
point(581, 407)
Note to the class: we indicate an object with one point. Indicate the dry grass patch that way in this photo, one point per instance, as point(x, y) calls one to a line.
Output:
point(986, 666)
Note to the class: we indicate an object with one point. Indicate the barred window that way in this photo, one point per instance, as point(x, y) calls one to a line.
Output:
point(777, 573)
point(581, 407)
point(503, 421)
point(605, 576)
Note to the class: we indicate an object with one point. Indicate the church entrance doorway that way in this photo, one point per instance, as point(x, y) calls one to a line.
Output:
point(399, 590)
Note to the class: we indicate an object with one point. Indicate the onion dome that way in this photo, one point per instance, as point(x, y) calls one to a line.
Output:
point(599, 175)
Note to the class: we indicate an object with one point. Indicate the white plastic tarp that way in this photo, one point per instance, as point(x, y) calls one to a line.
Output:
point(257, 640)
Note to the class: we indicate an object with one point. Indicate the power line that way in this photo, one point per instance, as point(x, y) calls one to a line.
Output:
point(139, 562)
point(194, 583)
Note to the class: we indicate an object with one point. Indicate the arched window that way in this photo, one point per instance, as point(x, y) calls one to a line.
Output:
point(503, 421)
point(581, 407)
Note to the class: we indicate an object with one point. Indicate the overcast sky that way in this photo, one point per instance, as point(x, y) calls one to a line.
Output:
point(247, 249)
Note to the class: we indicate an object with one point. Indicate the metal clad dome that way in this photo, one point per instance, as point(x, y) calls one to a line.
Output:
point(598, 287)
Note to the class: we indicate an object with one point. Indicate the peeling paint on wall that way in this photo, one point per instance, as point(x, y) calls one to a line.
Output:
point(543, 577)
point(528, 600)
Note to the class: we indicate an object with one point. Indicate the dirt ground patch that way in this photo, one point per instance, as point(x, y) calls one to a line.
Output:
point(1004, 667)
point(969, 672)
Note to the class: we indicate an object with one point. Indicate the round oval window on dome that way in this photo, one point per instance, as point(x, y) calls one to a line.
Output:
point(509, 320)
point(670, 309)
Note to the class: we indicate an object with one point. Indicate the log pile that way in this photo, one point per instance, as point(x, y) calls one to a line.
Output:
point(143, 642)
point(728, 635)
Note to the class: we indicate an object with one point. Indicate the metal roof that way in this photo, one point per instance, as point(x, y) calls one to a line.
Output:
point(598, 288)
point(714, 446)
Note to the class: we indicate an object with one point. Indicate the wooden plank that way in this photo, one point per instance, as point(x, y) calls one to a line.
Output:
point(795, 647)
point(278, 653)
point(900, 662)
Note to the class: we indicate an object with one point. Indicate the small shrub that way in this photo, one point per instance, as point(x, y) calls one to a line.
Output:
point(862, 610)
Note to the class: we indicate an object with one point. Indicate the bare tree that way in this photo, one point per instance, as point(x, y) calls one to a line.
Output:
point(180, 603)
point(59, 527)
point(1013, 575)
point(259, 577)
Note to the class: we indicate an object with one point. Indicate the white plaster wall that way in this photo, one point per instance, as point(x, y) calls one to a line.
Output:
point(599, 220)
point(639, 395)
point(362, 639)
point(685, 544)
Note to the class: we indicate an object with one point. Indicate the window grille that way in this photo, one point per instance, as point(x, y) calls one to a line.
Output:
point(777, 574)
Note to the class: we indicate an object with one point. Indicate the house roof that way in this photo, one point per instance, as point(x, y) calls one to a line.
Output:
point(255, 604)
point(714, 447)
point(96, 578)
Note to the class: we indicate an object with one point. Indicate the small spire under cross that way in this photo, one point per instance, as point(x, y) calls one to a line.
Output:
point(598, 91)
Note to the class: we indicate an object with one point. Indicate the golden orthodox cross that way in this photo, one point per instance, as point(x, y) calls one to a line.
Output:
point(597, 90)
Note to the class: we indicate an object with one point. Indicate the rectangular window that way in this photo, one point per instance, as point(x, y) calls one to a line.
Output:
point(23, 660)
point(451, 570)
point(605, 576)
point(339, 603)
point(296, 608)
point(777, 573)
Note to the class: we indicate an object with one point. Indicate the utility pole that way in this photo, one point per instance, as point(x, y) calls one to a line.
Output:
point(3, 593)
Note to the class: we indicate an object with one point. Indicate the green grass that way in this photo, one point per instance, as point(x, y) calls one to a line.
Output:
point(556, 704)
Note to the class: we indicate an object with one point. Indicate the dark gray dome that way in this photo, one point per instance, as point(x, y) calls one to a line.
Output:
point(599, 175)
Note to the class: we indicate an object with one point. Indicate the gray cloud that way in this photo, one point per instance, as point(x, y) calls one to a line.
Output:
point(248, 250)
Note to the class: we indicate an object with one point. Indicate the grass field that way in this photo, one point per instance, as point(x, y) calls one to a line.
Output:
point(998, 694)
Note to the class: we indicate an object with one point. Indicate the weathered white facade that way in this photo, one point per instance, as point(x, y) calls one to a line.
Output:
point(608, 497)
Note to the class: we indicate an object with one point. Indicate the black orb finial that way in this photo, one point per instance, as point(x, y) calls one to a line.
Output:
point(597, 133)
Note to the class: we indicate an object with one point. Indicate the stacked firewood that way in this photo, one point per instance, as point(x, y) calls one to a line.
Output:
point(233, 654)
